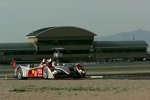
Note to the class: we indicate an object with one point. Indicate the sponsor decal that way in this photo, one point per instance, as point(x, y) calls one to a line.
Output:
point(39, 71)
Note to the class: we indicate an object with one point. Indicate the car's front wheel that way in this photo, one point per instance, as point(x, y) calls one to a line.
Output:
point(45, 72)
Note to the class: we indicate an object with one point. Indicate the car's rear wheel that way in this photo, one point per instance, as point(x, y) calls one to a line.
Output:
point(19, 74)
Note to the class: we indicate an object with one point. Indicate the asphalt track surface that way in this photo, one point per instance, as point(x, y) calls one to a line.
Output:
point(141, 75)
point(134, 76)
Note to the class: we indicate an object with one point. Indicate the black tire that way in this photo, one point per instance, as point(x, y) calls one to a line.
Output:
point(45, 73)
point(19, 74)
point(75, 75)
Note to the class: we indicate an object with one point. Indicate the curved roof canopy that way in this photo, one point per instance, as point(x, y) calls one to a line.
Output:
point(120, 44)
point(64, 31)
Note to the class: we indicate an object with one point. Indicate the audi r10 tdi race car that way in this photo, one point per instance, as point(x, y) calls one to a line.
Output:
point(48, 70)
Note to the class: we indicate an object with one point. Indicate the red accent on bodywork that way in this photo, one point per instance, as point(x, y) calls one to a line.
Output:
point(30, 74)
point(79, 66)
point(37, 72)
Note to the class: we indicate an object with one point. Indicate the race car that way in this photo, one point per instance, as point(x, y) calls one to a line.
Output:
point(48, 70)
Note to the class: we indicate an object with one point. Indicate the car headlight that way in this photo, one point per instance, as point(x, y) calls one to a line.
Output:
point(54, 72)
point(83, 71)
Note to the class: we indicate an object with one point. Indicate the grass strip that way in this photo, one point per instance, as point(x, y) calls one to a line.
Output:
point(69, 89)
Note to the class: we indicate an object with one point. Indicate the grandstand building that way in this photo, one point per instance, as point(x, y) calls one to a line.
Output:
point(120, 50)
point(78, 46)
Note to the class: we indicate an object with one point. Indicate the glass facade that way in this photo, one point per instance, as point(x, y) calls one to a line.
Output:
point(123, 50)
point(65, 52)
point(65, 42)
point(17, 52)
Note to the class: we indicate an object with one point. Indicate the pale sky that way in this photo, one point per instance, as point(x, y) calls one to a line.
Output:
point(18, 18)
